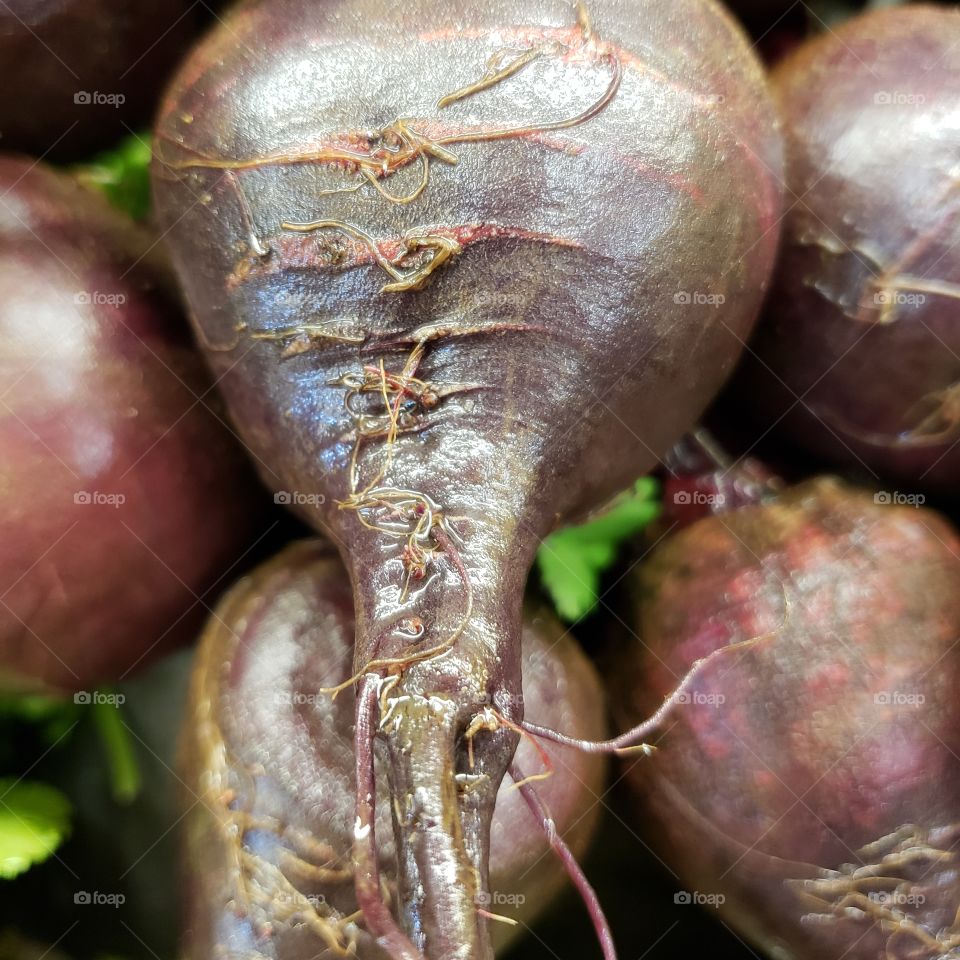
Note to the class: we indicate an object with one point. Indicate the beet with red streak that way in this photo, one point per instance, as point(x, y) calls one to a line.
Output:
point(858, 357)
point(811, 776)
point(371, 245)
point(268, 848)
point(124, 496)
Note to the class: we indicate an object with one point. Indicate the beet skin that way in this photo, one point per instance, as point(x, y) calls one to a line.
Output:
point(271, 759)
point(463, 272)
point(858, 357)
point(79, 73)
point(808, 781)
point(123, 494)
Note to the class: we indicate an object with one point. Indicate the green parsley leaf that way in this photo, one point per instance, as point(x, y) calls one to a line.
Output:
point(34, 821)
point(572, 560)
point(125, 779)
point(123, 174)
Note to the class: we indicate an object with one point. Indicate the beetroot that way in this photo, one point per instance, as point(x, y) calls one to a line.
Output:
point(79, 72)
point(123, 494)
point(700, 479)
point(462, 273)
point(807, 772)
point(859, 357)
point(268, 855)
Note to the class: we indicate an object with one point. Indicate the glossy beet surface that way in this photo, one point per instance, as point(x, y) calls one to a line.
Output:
point(442, 259)
point(268, 849)
point(123, 496)
point(860, 351)
point(78, 73)
point(810, 776)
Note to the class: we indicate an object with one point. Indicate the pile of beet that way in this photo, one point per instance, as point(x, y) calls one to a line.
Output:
point(460, 282)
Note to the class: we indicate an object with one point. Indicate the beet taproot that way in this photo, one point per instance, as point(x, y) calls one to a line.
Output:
point(268, 862)
point(124, 496)
point(462, 275)
point(806, 778)
point(80, 72)
point(858, 356)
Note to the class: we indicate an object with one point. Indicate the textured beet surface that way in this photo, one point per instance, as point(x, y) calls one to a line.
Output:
point(433, 295)
point(860, 351)
point(123, 496)
point(811, 776)
point(79, 72)
point(268, 854)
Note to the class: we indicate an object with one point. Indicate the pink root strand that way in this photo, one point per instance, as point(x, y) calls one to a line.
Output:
point(632, 740)
point(574, 871)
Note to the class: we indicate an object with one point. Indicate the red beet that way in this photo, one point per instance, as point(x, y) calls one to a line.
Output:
point(807, 776)
point(859, 357)
point(80, 72)
point(268, 849)
point(123, 495)
point(700, 479)
point(463, 273)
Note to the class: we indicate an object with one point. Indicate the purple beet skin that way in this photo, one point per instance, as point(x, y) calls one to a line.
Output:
point(858, 359)
point(124, 496)
point(800, 656)
point(268, 855)
point(78, 73)
point(463, 273)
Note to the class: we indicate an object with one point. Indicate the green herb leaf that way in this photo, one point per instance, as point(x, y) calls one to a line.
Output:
point(34, 820)
point(123, 174)
point(125, 779)
point(573, 560)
